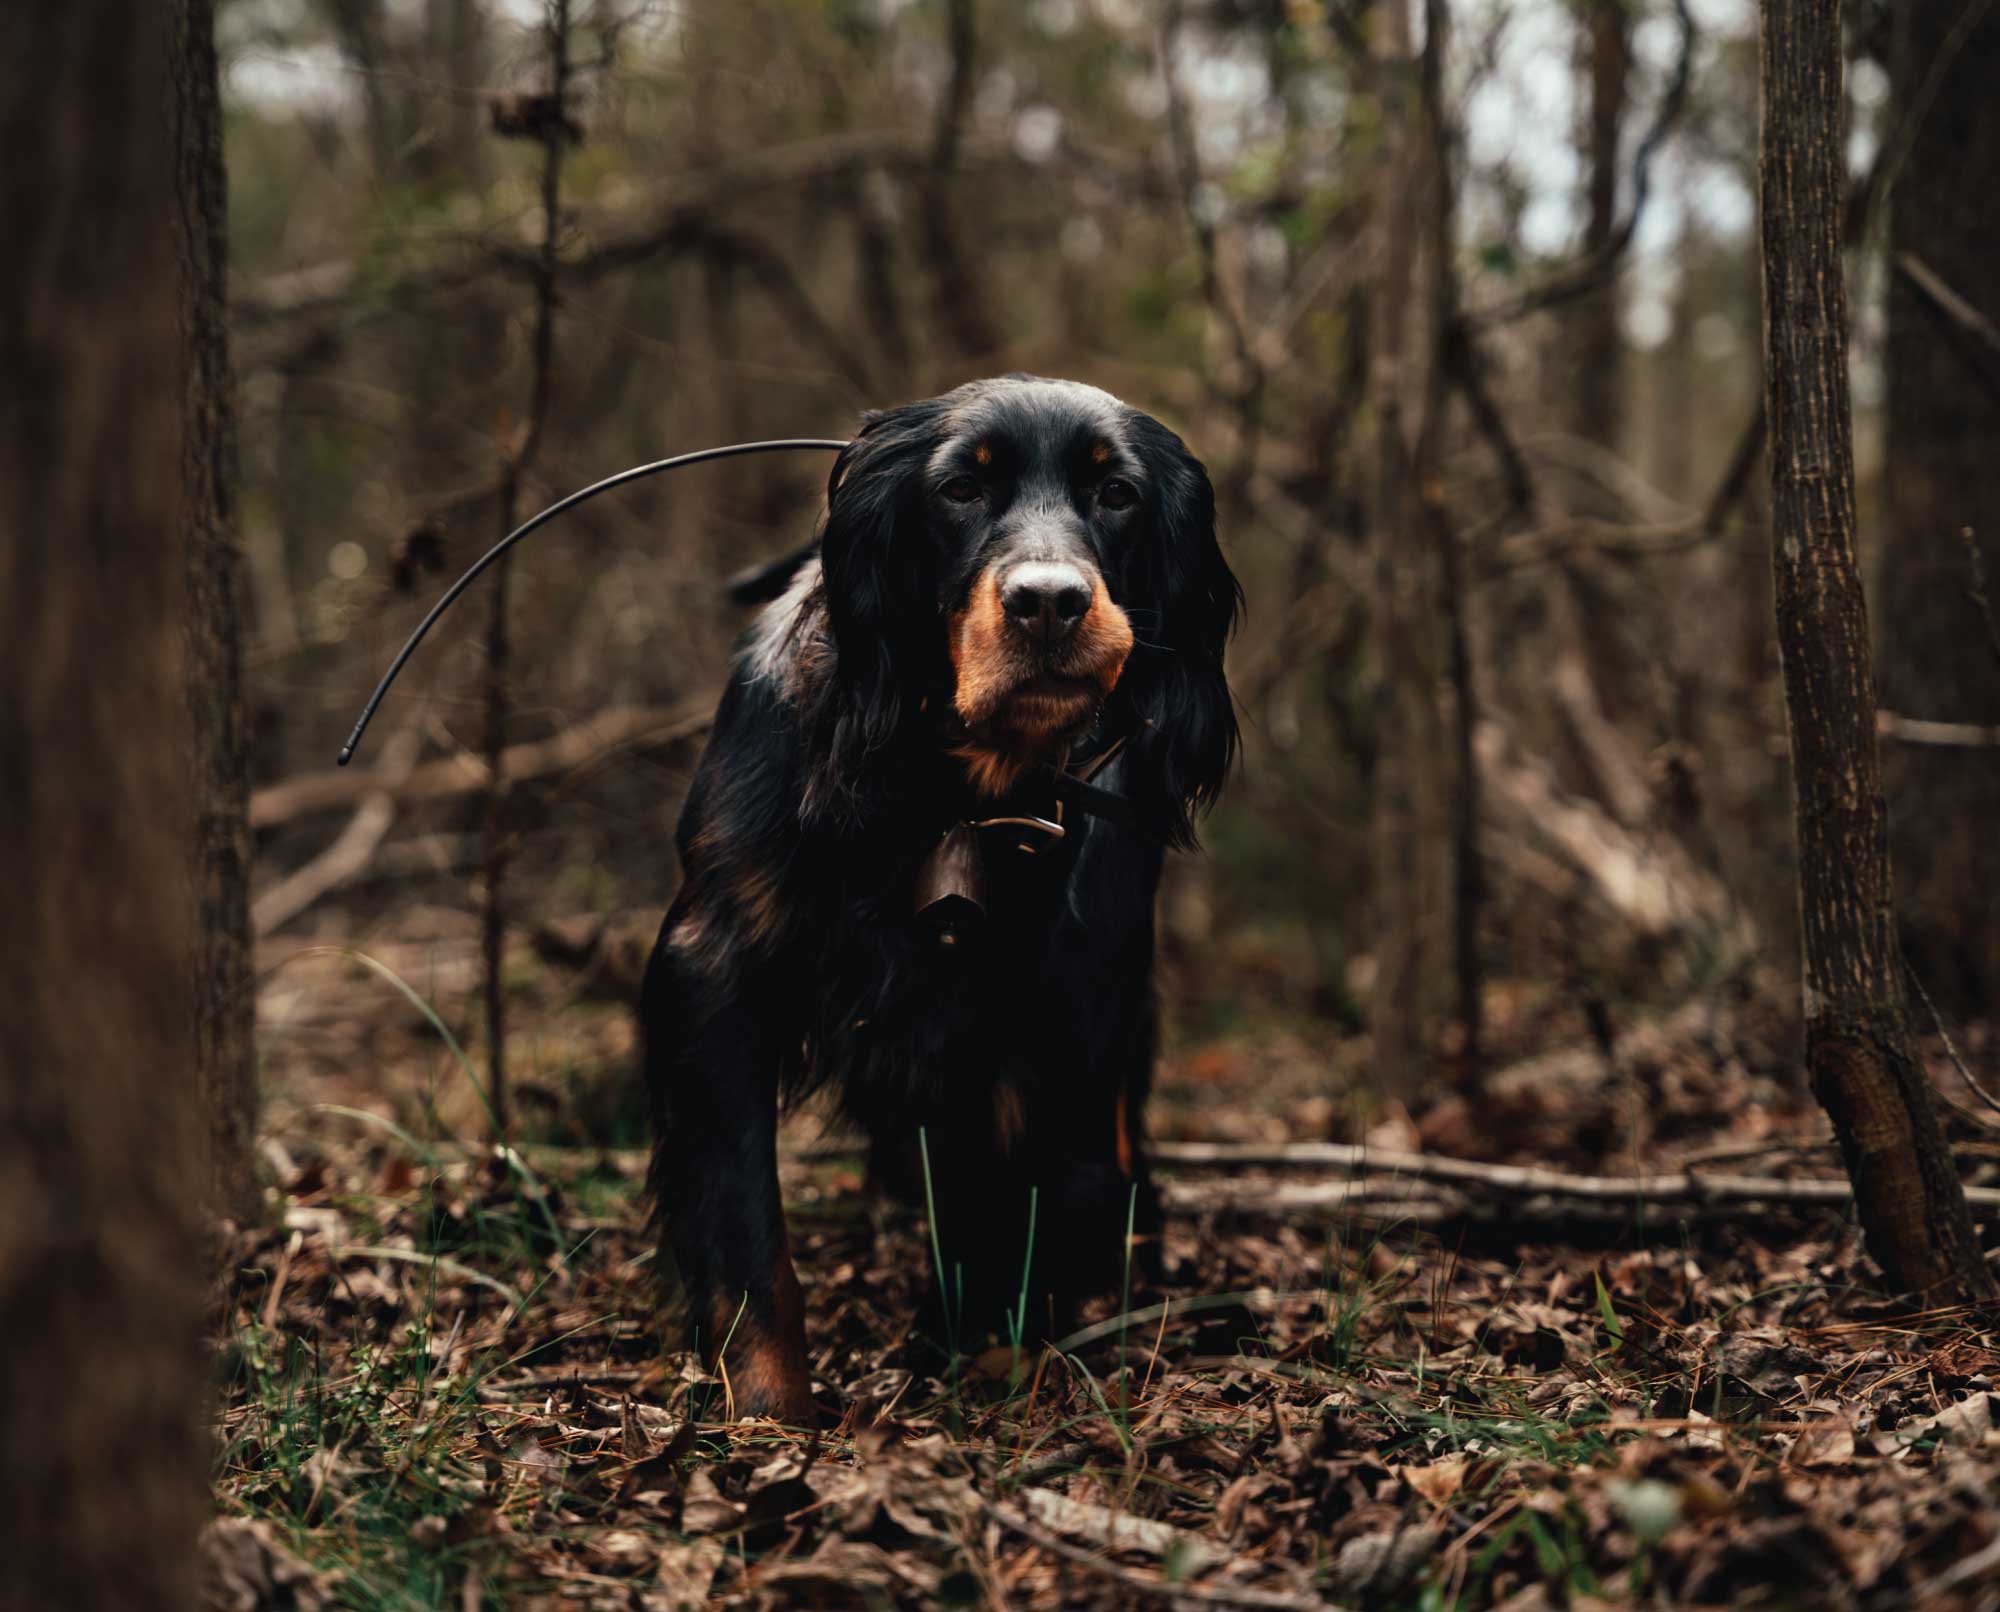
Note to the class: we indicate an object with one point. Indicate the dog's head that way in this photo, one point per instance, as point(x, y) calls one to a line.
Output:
point(1036, 553)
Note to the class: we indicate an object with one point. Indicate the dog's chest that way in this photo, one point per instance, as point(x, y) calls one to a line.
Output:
point(1050, 979)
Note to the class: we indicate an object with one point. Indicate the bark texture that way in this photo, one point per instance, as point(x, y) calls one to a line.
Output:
point(1858, 1049)
point(1935, 663)
point(103, 1465)
point(224, 998)
point(1396, 1007)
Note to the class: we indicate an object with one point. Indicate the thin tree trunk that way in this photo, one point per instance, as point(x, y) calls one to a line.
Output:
point(1396, 1008)
point(494, 854)
point(1858, 1048)
point(103, 1464)
point(496, 835)
point(224, 999)
point(1599, 347)
point(1467, 873)
point(959, 294)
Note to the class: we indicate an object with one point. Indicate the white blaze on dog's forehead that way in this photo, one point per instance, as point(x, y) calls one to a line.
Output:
point(764, 652)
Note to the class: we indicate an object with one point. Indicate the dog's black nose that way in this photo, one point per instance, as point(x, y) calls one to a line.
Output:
point(1046, 600)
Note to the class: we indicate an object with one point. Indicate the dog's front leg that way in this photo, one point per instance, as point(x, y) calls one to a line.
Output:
point(711, 1062)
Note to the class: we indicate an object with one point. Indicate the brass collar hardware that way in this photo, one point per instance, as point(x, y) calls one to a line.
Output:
point(951, 881)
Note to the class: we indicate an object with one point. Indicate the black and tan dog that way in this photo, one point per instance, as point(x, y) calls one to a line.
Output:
point(1015, 584)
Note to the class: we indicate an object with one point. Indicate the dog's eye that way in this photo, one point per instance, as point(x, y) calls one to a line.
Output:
point(961, 490)
point(1117, 493)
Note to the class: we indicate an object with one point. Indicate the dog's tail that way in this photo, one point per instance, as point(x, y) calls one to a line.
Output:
point(760, 584)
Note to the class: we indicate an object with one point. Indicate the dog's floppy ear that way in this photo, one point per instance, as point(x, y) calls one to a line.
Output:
point(1184, 606)
point(876, 571)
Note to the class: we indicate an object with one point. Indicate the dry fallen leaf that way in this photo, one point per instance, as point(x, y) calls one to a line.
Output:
point(1439, 1481)
point(247, 1567)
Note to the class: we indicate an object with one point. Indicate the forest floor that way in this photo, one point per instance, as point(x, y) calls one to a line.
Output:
point(444, 1386)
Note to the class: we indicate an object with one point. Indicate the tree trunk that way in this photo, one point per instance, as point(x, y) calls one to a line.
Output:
point(1396, 1005)
point(1598, 391)
point(1941, 424)
point(959, 299)
point(103, 1465)
point(1454, 601)
point(224, 995)
point(1858, 1046)
point(496, 832)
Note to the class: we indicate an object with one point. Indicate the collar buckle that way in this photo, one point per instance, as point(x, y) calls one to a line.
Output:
point(1052, 830)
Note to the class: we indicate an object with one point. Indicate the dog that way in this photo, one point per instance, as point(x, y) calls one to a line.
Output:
point(898, 884)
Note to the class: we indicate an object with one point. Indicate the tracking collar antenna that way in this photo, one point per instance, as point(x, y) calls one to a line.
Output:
point(636, 473)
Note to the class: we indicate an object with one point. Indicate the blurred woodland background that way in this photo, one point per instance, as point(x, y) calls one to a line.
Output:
point(1461, 307)
point(1507, 1257)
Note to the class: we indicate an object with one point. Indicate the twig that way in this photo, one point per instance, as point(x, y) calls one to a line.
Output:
point(1944, 1035)
point(1982, 353)
point(1468, 373)
point(1975, 589)
point(1142, 1583)
point(1736, 477)
point(1948, 735)
point(1974, 1569)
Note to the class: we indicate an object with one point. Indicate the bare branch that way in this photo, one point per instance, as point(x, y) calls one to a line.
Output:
point(1982, 353)
point(1975, 589)
point(1593, 269)
point(622, 727)
point(1945, 735)
point(1896, 149)
point(1468, 373)
point(1944, 1035)
point(350, 852)
point(1647, 540)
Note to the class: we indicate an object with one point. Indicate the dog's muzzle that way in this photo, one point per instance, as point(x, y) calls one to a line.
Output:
point(1045, 600)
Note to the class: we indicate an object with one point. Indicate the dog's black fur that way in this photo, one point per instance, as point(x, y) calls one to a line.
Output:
point(929, 663)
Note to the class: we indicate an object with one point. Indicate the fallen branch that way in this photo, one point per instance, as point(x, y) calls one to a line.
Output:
point(1117, 1530)
point(350, 852)
point(1382, 1168)
point(1018, 1522)
point(622, 726)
